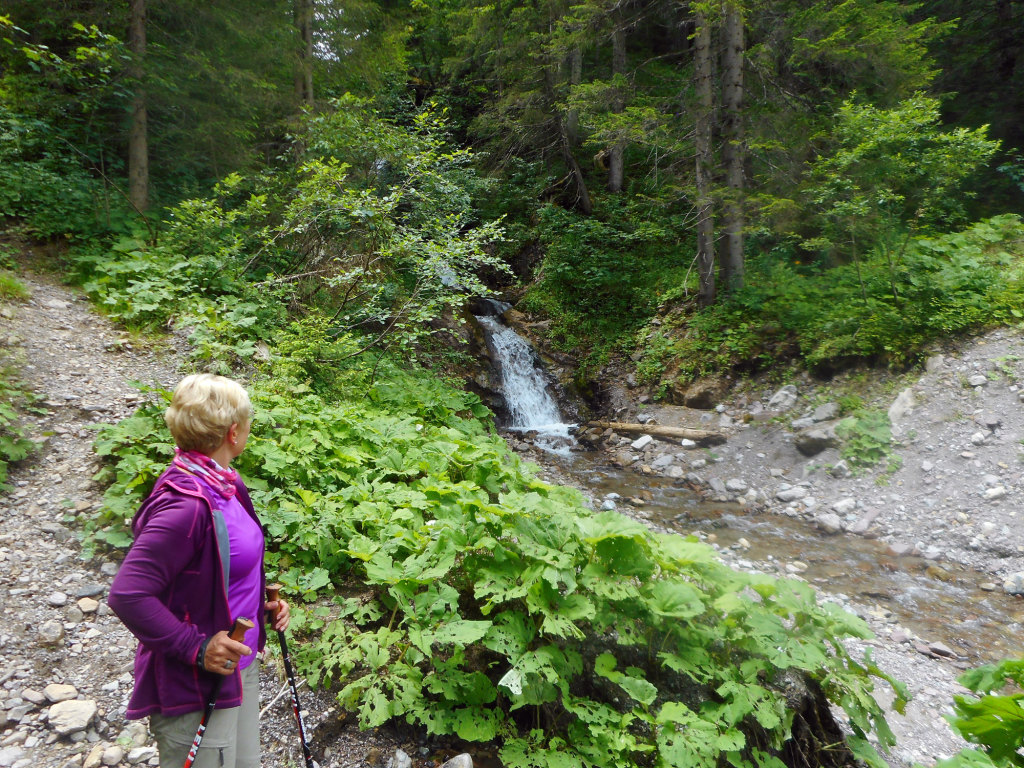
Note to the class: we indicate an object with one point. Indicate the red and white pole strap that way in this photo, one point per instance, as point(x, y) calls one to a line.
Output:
point(238, 630)
point(273, 594)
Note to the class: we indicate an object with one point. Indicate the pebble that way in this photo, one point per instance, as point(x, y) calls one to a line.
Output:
point(57, 599)
point(51, 632)
point(641, 442)
point(88, 605)
point(991, 494)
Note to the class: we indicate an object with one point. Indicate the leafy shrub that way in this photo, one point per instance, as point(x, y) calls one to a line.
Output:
point(993, 721)
point(867, 439)
point(15, 444)
point(944, 285)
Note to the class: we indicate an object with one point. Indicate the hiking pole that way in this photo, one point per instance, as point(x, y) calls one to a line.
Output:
point(273, 594)
point(238, 630)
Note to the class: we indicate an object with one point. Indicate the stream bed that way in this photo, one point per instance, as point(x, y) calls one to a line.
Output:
point(935, 600)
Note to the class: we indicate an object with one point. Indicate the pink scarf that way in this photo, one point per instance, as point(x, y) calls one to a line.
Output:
point(217, 477)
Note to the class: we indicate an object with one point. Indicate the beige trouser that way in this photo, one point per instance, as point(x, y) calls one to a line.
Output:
point(232, 738)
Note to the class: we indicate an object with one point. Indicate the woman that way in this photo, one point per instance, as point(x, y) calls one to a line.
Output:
point(197, 565)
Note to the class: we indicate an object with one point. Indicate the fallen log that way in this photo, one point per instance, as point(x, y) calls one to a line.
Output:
point(702, 436)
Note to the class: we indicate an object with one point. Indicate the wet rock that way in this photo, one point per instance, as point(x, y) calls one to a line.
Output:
point(67, 717)
point(1014, 584)
point(863, 522)
point(663, 461)
point(941, 649)
point(784, 399)
point(459, 761)
point(901, 548)
point(829, 523)
point(675, 472)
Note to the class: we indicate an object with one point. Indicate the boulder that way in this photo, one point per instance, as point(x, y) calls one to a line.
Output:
point(811, 442)
point(783, 399)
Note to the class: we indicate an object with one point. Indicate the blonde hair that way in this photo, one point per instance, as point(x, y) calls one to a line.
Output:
point(203, 408)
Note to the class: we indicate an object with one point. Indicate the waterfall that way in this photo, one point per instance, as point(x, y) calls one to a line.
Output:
point(525, 385)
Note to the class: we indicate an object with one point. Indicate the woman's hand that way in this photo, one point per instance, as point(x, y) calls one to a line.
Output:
point(222, 654)
point(282, 617)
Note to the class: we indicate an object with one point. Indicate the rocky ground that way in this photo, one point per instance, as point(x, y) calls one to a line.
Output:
point(65, 660)
point(946, 505)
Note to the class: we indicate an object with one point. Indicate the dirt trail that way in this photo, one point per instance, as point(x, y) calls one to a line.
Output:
point(59, 638)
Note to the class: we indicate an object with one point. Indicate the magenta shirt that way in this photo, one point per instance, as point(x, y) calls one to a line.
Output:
point(244, 582)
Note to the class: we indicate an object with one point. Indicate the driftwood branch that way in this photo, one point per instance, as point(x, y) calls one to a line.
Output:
point(702, 436)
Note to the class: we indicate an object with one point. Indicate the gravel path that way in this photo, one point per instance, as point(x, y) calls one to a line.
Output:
point(65, 660)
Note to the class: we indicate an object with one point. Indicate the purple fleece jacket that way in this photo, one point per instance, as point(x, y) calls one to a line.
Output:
point(171, 593)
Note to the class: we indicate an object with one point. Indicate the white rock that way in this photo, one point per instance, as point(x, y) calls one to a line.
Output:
point(901, 407)
point(459, 761)
point(141, 754)
point(783, 399)
point(978, 380)
point(402, 759)
point(641, 442)
point(112, 755)
point(927, 466)
point(57, 692)
point(687, 443)
point(843, 506)
point(736, 485)
point(57, 599)
point(991, 494)
point(978, 438)
point(67, 717)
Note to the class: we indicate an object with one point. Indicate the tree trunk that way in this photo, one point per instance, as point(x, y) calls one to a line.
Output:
point(615, 154)
point(138, 138)
point(733, 148)
point(702, 141)
point(572, 115)
point(703, 436)
point(304, 15)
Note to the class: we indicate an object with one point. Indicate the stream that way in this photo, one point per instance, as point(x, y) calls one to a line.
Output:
point(937, 601)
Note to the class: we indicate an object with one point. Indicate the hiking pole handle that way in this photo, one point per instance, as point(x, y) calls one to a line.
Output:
point(273, 595)
point(239, 628)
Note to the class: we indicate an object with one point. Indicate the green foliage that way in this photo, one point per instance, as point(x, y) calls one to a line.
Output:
point(867, 439)
point(893, 171)
point(15, 400)
point(470, 598)
point(991, 720)
point(944, 285)
point(491, 605)
point(11, 289)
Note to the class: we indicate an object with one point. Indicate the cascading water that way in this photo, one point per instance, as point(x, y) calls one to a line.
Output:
point(525, 385)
